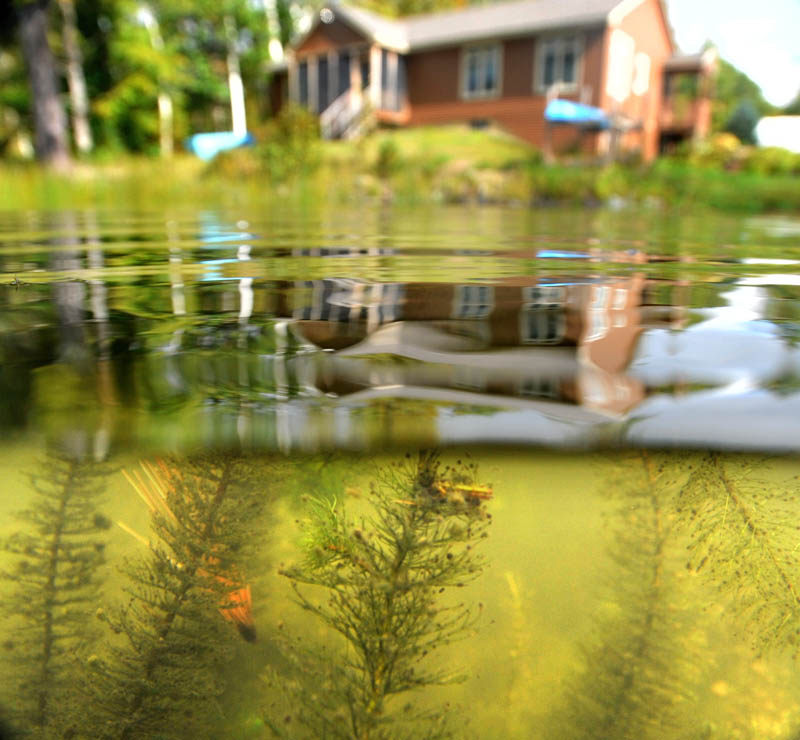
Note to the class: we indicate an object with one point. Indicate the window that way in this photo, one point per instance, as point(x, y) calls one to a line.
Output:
point(481, 71)
point(302, 76)
point(641, 73)
point(621, 52)
point(558, 62)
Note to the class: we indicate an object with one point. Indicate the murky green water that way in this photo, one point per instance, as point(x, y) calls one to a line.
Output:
point(380, 474)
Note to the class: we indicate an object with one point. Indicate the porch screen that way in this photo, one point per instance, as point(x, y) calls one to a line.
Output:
point(322, 82)
point(302, 79)
point(343, 84)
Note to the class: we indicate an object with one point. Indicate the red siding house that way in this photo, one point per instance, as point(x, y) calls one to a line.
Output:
point(500, 64)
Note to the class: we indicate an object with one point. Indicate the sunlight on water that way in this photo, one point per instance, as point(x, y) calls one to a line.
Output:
point(480, 474)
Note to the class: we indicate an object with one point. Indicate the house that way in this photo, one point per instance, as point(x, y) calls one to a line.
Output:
point(501, 64)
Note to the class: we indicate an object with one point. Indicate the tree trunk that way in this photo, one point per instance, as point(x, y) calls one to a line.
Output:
point(79, 100)
point(235, 86)
point(50, 140)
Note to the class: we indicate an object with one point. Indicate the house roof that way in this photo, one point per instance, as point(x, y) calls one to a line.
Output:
point(496, 20)
point(691, 62)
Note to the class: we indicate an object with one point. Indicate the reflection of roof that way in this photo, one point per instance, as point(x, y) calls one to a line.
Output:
point(501, 19)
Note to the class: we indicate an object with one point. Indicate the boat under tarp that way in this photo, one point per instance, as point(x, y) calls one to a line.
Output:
point(577, 114)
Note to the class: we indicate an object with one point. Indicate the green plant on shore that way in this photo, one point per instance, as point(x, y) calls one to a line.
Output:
point(55, 575)
point(161, 676)
point(381, 577)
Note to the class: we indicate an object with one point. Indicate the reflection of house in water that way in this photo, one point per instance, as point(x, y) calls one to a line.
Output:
point(568, 340)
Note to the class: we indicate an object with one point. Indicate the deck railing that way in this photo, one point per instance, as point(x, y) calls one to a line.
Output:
point(345, 117)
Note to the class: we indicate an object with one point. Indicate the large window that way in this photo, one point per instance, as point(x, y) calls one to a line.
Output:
point(558, 62)
point(481, 71)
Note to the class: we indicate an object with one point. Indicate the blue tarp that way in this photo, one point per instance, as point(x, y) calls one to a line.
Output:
point(566, 111)
point(207, 146)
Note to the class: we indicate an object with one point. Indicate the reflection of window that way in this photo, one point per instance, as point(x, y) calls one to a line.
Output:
point(543, 295)
point(558, 62)
point(596, 324)
point(599, 297)
point(543, 387)
point(472, 301)
point(541, 325)
point(469, 378)
point(481, 71)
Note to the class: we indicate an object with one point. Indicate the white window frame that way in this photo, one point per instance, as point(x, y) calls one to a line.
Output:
point(549, 323)
point(494, 47)
point(560, 44)
point(544, 294)
point(471, 302)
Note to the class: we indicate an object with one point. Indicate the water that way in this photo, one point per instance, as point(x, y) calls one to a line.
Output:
point(370, 473)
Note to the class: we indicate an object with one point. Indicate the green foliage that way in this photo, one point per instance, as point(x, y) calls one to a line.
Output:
point(382, 576)
point(57, 558)
point(732, 88)
point(771, 160)
point(396, 8)
point(793, 109)
point(160, 678)
point(287, 149)
point(288, 144)
point(388, 159)
point(742, 121)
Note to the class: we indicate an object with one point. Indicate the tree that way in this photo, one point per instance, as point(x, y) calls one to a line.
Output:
point(50, 141)
point(743, 121)
point(793, 109)
point(732, 88)
point(79, 101)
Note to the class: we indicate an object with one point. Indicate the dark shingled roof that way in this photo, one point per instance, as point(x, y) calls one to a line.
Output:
point(496, 20)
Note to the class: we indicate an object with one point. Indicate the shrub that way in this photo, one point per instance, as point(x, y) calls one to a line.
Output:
point(771, 160)
point(288, 144)
point(388, 159)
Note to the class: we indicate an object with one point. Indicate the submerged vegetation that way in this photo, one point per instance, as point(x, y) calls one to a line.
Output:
point(161, 678)
point(56, 583)
point(692, 629)
point(384, 577)
point(641, 668)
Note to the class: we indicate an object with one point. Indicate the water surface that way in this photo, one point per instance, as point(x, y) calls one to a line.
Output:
point(374, 473)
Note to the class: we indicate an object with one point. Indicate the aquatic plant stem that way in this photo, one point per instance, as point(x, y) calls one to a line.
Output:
point(50, 598)
point(128, 726)
point(756, 531)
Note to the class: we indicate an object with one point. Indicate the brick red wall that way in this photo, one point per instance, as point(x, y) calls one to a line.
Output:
point(646, 24)
point(435, 92)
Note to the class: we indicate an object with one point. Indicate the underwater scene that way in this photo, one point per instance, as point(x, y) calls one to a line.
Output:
point(279, 473)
